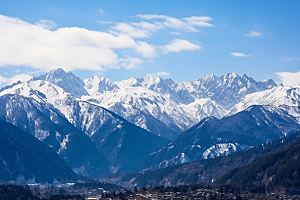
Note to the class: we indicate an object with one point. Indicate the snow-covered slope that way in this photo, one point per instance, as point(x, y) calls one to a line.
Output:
point(98, 85)
point(147, 101)
point(278, 96)
point(204, 107)
point(164, 87)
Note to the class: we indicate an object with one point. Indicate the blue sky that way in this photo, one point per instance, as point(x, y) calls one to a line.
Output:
point(182, 40)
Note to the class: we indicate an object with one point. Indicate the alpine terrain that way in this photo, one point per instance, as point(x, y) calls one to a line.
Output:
point(99, 127)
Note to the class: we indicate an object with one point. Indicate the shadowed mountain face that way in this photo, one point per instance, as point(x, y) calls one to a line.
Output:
point(213, 137)
point(47, 125)
point(206, 171)
point(23, 157)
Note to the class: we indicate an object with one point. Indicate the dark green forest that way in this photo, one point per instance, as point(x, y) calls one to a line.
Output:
point(205, 171)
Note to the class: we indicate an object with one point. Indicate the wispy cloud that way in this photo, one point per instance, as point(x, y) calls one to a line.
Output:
point(289, 59)
point(148, 26)
point(253, 34)
point(159, 74)
point(289, 78)
point(178, 45)
point(130, 63)
point(238, 54)
point(46, 24)
point(105, 22)
point(13, 79)
point(187, 23)
point(101, 11)
point(137, 30)
point(131, 31)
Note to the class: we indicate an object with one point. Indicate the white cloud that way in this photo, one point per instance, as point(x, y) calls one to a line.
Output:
point(19, 77)
point(105, 22)
point(138, 30)
point(150, 17)
point(237, 54)
point(147, 50)
point(289, 59)
point(178, 45)
point(187, 23)
point(101, 11)
point(72, 48)
point(148, 26)
point(289, 78)
point(159, 74)
point(130, 30)
point(130, 63)
point(46, 24)
point(201, 21)
point(253, 34)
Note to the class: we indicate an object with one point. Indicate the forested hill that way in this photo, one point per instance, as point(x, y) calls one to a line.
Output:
point(206, 171)
point(278, 171)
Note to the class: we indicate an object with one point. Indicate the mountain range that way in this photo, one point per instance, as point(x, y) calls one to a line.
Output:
point(177, 105)
point(99, 127)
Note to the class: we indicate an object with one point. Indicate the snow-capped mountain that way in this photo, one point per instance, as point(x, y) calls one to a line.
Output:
point(178, 105)
point(148, 102)
point(281, 96)
point(111, 135)
point(228, 89)
point(66, 80)
point(91, 90)
point(213, 137)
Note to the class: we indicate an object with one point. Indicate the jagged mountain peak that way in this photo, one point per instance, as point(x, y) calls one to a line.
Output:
point(57, 74)
point(66, 80)
point(244, 76)
point(128, 83)
point(208, 77)
point(227, 89)
point(57, 70)
point(98, 85)
point(145, 82)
